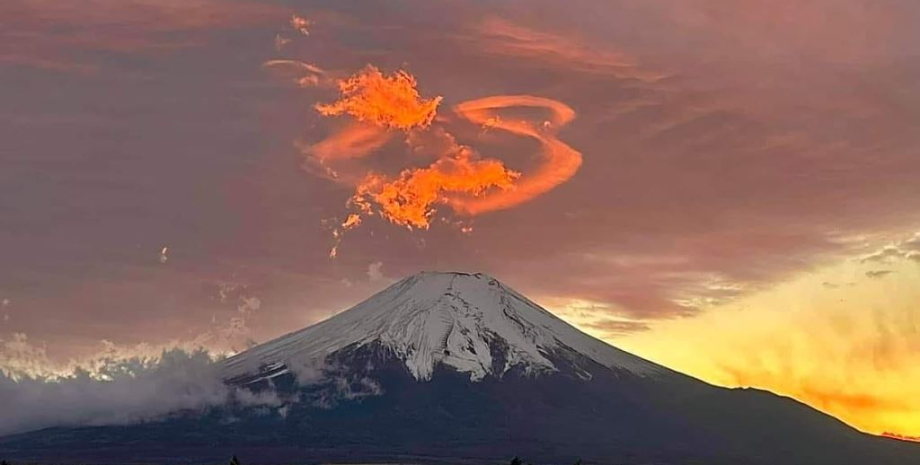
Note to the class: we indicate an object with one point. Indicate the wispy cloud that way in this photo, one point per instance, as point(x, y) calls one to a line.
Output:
point(556, 51)
point(878, 274)
point(62, 36)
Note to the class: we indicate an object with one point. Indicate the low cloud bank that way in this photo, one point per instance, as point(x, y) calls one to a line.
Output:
point(119, 392)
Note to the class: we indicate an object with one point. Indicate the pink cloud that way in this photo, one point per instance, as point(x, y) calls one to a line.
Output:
point(53, 35)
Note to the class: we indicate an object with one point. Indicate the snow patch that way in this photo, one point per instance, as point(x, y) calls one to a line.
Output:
point(437, 318)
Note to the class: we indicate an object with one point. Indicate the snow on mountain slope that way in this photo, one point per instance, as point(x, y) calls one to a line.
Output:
point(436, 317)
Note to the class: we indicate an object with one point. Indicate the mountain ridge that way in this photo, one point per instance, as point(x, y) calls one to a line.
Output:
point(441, 317)
point(368, 385)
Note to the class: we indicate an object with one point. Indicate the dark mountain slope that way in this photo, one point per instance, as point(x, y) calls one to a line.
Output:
point(458, 368)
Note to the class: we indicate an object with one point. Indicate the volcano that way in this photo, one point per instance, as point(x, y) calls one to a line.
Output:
point(459, 368)
point(469, 323)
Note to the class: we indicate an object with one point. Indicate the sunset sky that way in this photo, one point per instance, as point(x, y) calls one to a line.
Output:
point(726, 187)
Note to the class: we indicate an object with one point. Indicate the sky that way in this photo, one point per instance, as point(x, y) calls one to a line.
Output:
point(725, 187)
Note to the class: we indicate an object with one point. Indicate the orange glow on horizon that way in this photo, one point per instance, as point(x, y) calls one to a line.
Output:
point(901, 437)
point(848, 349)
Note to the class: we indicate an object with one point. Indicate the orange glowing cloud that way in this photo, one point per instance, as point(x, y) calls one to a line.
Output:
point(458, 178)
point(382, 105)
point(387, 101)
point(354, 141)
point(559, 161)
point(410, 199)
point(353, 221)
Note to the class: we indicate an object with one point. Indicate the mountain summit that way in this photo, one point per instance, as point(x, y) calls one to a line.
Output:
point(459, 368)
point(449, 318)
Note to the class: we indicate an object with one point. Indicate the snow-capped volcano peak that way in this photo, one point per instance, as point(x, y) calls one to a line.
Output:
point(449, 318)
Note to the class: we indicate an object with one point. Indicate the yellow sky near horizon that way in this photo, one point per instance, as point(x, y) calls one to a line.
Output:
point(842, 338)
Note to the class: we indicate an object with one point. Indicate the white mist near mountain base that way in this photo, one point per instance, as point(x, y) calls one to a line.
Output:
point(123, 392)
